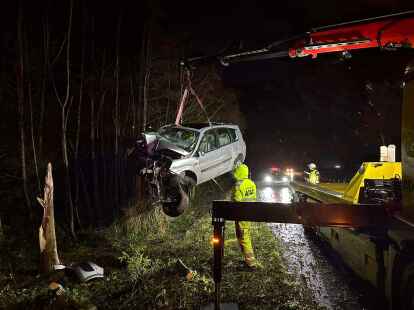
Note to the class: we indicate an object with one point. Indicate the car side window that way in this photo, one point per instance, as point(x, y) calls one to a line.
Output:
point(223, 135)
point(208, 142)
point(233, 134)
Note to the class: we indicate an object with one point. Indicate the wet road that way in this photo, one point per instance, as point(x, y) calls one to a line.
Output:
point(332, 285)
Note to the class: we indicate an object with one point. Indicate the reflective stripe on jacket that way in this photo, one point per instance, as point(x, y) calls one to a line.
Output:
point(244, 190)
point(314, 177)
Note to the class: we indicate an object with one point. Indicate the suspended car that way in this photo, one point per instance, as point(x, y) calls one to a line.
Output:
point(175, 159)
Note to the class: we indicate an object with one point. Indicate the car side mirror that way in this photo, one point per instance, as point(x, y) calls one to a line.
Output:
point(201, 153)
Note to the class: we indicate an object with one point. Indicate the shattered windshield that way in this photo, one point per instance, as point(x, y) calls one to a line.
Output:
point(181, 137)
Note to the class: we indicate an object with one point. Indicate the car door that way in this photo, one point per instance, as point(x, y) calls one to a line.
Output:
point(209, 156)
point(226, 150)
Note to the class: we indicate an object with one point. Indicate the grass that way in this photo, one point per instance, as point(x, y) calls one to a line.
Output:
point(143, 257)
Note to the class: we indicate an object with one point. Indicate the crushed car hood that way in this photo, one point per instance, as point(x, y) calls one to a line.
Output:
point(156, 143)
point(164, 144)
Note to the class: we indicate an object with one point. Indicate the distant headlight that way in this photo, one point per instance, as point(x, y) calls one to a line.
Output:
point(268, 179)
point(285, 179)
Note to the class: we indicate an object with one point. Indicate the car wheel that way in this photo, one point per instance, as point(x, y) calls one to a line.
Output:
point(177, 199)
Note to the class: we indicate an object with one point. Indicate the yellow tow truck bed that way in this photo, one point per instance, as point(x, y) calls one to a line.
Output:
point(358, 249)
point(334, 187)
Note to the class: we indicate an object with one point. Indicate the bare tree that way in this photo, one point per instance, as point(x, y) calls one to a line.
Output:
point(93, 131)
point(95, 178)
point(45, 71)
point(144, 72)
point(133, 108)
point(28, 79)
point(116, 117)
point(32, 134)
point(100, 131)
point(1, 231)
point(20, 106)
point(78, 124)
point(65, 105)
point(47, 235)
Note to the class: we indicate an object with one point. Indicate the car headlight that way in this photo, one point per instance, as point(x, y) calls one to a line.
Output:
point(285, 179)
point(268, 179)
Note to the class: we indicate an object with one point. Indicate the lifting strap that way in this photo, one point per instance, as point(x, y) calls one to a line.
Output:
point(181, 107)
point(189, 89)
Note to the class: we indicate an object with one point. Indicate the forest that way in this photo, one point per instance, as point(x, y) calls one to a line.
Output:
point(79, 99)
point(76, 94)
point(80, 81)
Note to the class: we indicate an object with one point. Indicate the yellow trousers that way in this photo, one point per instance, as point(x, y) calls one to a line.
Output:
point(245, 242)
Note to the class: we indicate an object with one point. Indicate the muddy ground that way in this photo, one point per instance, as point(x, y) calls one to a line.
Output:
point(315, 265)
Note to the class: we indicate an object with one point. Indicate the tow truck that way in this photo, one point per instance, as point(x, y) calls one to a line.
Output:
point(371, 224)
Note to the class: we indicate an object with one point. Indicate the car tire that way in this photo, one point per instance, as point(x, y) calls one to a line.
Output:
point(178, 199)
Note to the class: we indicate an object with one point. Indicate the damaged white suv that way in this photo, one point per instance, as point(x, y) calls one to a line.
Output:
point(175, 158)
point(208, 151)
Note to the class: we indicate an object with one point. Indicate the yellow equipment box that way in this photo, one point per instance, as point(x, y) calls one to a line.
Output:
point(371, 171)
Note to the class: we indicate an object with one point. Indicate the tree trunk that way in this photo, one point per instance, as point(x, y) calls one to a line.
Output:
point(68, 187)
point(47, 235)
point(65, 117)
point(106, 191)
point(117, 121)
point(132, 130)
point(1, 231)
point(34, 149)
point(169, 92)
point(44, 84)
point(145, 98)
point(141, 76)
point(95, 177)
point(65, 105)
point(78, 123)
point(99, 131)
point(28, 78)
point(20, 106)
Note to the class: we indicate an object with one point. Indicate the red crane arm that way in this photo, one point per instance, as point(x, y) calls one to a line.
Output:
point(390, 33)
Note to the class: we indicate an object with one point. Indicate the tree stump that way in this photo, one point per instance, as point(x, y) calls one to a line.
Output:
point(47, 235)
point(1, 231)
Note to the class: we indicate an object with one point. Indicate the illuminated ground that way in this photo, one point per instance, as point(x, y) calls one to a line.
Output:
point(310, 262)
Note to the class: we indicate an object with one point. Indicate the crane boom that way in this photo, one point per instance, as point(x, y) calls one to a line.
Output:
point(390, 33)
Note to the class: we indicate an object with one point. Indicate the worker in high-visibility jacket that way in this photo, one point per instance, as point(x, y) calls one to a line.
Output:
point(313, 174)
point(244, 190)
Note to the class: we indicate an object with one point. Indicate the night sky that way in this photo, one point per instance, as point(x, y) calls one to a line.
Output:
point(296, 110)
point(327, 110)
